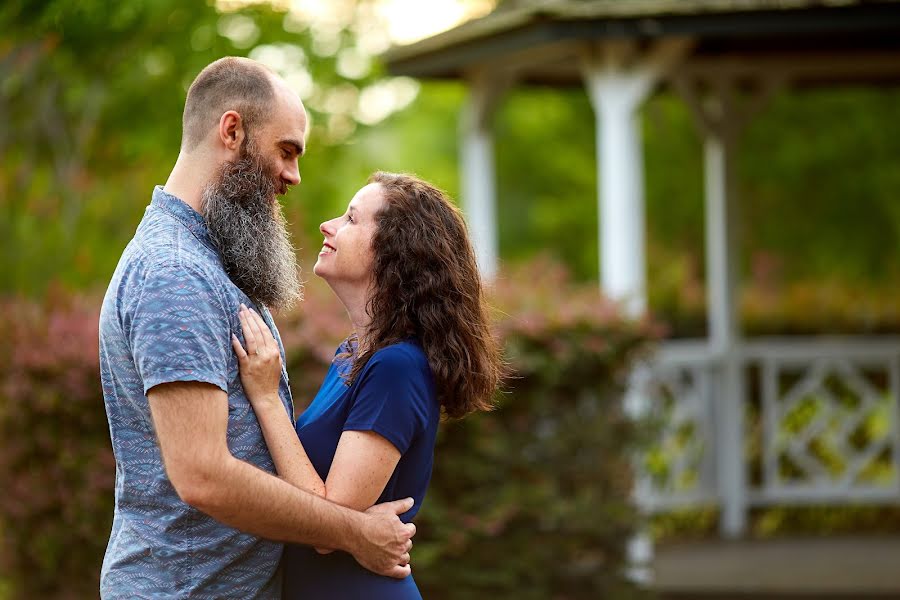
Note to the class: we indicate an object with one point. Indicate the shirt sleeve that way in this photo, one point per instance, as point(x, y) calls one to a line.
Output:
point(392, 397)
point(179, 329)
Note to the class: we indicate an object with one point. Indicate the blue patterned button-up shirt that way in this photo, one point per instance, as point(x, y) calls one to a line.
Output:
point(168, 315)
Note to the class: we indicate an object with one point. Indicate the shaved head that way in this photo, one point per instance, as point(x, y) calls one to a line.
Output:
point(231, 83)
point(239, 199)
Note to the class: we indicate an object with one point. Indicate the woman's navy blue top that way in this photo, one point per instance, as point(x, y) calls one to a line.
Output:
point(394, 396)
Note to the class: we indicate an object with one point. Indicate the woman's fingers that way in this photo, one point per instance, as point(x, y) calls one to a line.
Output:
point(260, 332)
point(257, 336)
point(238, 349)
point(263, 330)
point(253, 321)
point(249, 336)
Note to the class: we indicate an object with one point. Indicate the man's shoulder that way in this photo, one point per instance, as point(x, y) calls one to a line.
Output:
point(164, 261)
point(162, 241)
point(163, 248)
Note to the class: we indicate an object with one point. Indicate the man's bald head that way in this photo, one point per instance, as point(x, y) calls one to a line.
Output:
point(231, 83)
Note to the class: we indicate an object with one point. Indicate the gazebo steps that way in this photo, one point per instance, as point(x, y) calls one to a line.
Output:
point(772, 596)
point(857, 568)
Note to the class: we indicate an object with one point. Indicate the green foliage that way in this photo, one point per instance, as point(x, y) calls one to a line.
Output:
point(822, 161)
point(529, 500)
point(852, 520)
point(770, 303)
point(92, 95)
point(546, 178)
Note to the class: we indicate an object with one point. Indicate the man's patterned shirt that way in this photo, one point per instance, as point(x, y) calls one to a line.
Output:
point(168, 316)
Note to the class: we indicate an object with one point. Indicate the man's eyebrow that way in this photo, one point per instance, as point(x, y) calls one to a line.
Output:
point(294, 144)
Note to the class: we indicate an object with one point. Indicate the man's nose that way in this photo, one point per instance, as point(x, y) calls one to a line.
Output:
point(291, 175)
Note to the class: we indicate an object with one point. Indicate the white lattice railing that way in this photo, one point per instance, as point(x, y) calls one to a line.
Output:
point(819, 415)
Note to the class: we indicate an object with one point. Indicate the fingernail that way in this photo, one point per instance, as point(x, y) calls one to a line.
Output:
point(243, 307)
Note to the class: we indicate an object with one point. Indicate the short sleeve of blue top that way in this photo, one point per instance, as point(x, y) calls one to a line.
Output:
point(395, 397)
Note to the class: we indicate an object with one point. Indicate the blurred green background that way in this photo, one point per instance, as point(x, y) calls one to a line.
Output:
point(91, 95)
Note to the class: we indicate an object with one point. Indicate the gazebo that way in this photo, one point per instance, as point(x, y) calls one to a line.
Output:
point(724, 58)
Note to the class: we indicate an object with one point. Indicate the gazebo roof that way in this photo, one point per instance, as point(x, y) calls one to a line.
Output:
point(541, 38)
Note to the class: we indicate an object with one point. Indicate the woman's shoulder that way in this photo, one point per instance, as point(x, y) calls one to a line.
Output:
point(403, 369)
point(405, 354)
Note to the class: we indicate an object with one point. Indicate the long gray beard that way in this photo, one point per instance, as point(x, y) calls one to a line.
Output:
point(248, 228)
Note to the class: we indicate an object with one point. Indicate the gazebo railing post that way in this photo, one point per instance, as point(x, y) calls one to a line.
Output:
point(724, 334)
point(720, 119)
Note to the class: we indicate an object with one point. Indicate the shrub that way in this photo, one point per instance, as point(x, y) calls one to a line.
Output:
point(529, 500)
point(56, 464)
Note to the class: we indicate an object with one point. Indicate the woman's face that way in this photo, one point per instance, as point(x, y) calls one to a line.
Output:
point(346, 255)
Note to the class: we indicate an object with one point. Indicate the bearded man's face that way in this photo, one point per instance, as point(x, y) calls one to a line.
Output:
point(248, 228)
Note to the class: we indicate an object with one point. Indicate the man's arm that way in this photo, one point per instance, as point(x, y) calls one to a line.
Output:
point(191, 420)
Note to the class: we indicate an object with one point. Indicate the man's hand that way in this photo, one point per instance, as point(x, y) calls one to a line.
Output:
point(386, 540)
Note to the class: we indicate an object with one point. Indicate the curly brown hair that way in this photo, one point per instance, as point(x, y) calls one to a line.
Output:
point(426, 285)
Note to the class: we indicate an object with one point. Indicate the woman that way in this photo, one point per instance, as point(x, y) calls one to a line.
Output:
point(401, 262)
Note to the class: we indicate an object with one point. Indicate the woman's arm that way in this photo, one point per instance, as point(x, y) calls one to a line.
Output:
point(363, 463)
point(260, 367)
point(364, 460)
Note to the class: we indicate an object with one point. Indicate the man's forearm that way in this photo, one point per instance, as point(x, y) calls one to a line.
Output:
point(249, 499)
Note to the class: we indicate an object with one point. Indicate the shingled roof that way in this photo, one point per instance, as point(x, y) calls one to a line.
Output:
point(720, 27)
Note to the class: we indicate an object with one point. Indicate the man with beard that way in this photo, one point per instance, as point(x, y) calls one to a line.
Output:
point(197, 502)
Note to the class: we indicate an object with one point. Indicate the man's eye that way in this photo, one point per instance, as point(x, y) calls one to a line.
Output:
point(349, 218)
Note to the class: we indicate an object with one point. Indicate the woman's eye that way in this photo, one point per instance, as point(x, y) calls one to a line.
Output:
point(349, 218)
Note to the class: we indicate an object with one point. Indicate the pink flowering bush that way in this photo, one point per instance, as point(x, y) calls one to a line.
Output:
point(56, 465)
point(529, 500)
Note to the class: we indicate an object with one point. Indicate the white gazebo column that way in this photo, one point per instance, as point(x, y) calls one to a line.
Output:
point(720, 114)
point(479, 195)
point(618, 80)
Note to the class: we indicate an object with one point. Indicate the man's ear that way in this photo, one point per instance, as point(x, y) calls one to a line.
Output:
point(231, 130)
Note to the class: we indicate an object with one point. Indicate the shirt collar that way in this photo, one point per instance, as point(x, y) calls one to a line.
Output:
point(186, 215)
